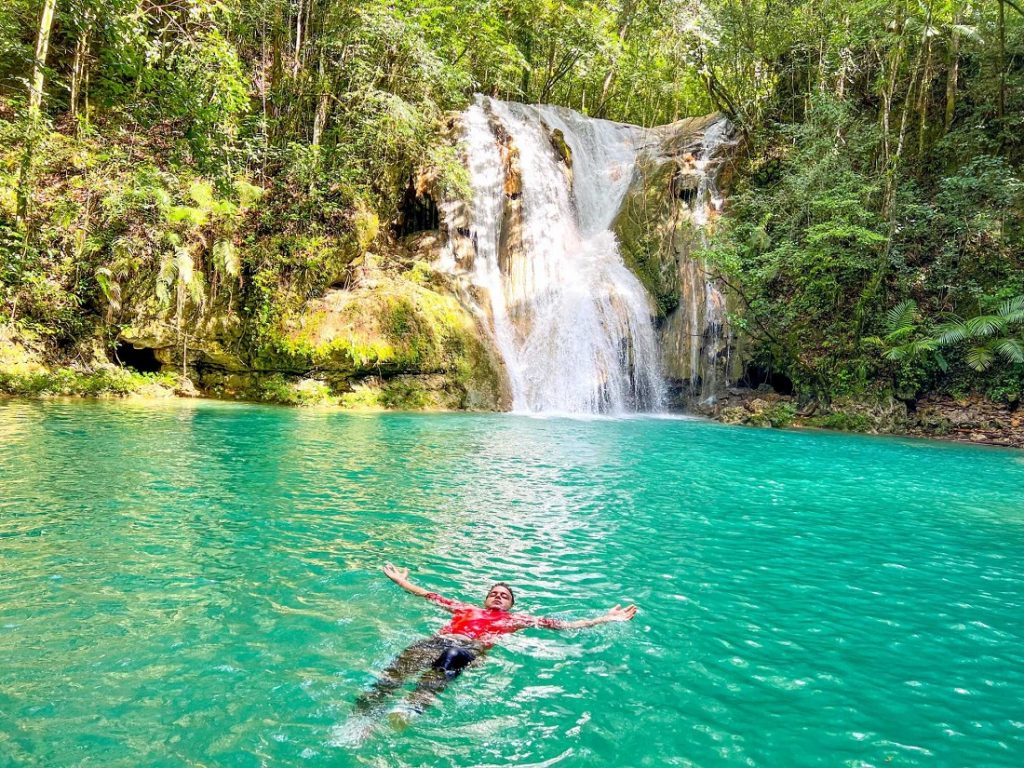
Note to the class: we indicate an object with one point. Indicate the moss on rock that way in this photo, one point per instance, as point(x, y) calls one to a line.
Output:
point(646, 229)
point(395, 327)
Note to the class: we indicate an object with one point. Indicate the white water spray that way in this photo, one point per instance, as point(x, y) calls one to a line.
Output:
point(572, 323)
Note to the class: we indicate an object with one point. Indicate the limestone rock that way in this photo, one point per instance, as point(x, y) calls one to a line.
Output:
point(397, 328)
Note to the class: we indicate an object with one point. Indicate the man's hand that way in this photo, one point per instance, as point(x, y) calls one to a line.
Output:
point(398, 575)
point(401, 577)
point(618, 613)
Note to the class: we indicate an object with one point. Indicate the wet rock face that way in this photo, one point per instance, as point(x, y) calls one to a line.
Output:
point(658, 221)
point(392, 329)
point(665, 217)
point(974, 419)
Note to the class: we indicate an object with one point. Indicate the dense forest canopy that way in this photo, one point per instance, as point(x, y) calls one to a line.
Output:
point(256, 148)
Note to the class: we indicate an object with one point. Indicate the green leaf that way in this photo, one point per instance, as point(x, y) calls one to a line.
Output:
point(902, 316)
point(177, 214)
point(979, 358)
point(1011, 349)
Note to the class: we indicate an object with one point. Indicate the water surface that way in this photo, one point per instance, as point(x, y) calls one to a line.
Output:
point(198, 584)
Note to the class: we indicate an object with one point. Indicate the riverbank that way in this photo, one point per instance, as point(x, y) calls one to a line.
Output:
point(970, 419)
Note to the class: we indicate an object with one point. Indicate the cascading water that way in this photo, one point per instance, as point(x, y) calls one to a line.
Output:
point(715, 336)
point(573, 324)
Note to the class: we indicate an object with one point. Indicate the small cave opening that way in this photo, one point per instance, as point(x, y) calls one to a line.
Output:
point(756, 375)
point(687, 194)
point(416, 213)
point(684, 187)
point(142, 359)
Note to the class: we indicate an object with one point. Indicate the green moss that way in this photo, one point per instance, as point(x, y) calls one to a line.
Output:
point(406, 394)
point(68, 381)
point(641, 253)
point(841, 420)
point(646, 231)
point(777, 415)
point(305, 392)
point(362, 398)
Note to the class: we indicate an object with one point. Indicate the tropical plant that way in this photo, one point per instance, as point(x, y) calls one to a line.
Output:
point(904, 338)
point(988, 336)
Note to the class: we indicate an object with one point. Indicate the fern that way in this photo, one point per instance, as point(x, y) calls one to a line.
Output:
point(902, 317)
point(225, 258)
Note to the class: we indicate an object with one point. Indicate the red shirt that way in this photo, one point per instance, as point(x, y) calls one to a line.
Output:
point(485, 624)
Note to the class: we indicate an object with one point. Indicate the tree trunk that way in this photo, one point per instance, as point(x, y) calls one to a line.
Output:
point(626, 19)
point(922, 102)
point(35, 103)
point(1002, 60)
point(845, 54)
point(298, 39)
point(524, 85)
point(80, 65)
point(951, 76)
point(324, 101)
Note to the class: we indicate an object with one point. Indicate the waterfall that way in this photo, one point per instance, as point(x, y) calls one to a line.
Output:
point(714, 338)
point(574, 326)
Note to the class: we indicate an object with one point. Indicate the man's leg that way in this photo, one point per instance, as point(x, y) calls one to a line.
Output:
point(413, 659)
point(444, 669)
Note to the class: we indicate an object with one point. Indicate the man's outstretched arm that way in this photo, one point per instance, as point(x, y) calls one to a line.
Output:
point(618, 613)
point(401, 577)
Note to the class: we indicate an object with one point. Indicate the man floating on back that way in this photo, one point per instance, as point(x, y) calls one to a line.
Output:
point(440, 658)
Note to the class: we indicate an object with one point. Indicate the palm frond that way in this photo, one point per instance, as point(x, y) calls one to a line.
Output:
point(979, 358)
point(899, 334)
point(984, 325)
point(952, 332)
point(902, 316)
point(1012, 310)
point(911, 350)
point(967, 30)
point(1011, 349)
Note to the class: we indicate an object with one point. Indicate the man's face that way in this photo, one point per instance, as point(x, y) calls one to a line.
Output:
point(498, 599)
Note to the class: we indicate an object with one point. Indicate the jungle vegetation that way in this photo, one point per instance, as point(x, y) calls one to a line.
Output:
point(185, 152)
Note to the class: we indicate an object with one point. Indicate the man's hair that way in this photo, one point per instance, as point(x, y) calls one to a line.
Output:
point(506, 586)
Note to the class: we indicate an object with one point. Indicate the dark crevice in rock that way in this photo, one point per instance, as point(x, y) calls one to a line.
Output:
point(142, 359)
point(417, 213)
point(755, 376)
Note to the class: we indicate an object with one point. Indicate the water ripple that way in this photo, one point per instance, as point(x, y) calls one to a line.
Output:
point(199, 583)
